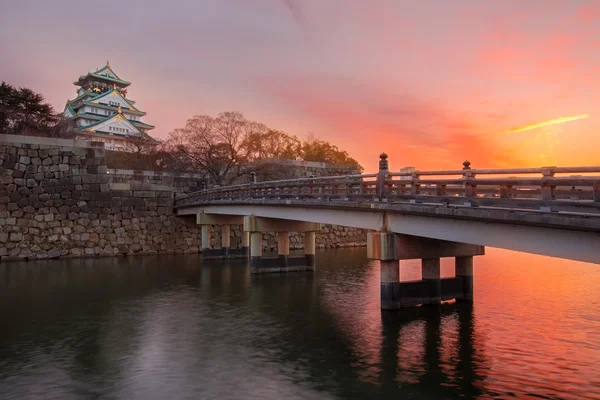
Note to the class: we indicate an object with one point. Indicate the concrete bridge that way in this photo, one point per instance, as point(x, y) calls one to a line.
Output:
point(414, 215)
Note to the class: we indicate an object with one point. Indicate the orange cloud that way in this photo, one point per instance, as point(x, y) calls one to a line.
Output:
point(366, 119)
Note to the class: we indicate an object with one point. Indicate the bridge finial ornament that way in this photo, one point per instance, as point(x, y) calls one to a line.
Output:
point(467, 164)
point(383, 162)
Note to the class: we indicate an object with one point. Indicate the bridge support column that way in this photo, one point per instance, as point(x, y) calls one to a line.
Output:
point(205, 240)
point(283, 248)
point(225, 221)
point(464, 271)
point(283, 262)
point(225, 238)
point(391, 296)
point(255, 251)
point(381, 246)
point(390, 248)
point(430, 268)
point(310, 239)
point(246, 243)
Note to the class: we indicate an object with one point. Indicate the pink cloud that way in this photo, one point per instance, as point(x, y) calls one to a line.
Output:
point(589, 13)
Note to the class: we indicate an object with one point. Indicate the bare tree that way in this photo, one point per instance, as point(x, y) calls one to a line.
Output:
point(218, 145)
point(141, 143)
point(229, 146)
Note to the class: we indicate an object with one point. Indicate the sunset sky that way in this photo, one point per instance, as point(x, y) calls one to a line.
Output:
point(431, 83)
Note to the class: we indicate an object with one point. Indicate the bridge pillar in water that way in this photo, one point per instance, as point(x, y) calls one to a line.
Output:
point(255, 250)
point(391, 248)
point(225, 238)
point(283, 248)
point(464, 270)
point(246, 243)
point(256, 226)
point(310, 245)
point(430, 271)
point(225, 221)
point(205, 239)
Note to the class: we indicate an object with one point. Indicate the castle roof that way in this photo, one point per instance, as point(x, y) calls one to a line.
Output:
point(105, 73)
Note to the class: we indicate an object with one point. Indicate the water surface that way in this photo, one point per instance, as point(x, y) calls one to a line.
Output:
point(162, 327)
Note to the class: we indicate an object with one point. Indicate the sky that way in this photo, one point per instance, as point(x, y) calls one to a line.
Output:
point(431, 83)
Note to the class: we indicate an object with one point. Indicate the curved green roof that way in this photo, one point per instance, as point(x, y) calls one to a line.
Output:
point(113, 108)
point(118, 94)
point(142, 124)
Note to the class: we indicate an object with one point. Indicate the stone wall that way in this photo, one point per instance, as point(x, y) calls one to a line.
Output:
point(269, 170)
point(332, 236)
point(178, 182)
point(58, 199)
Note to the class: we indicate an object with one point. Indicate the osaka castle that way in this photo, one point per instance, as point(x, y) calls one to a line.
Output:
point(102, 112)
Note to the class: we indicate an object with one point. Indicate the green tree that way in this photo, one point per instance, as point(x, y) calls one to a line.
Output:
point(24, 111)
point(315, 149)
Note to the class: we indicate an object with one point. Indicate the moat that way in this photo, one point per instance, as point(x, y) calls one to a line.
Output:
point(157, 327)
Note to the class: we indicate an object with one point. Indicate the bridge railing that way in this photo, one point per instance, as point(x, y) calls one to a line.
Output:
point(518, 188)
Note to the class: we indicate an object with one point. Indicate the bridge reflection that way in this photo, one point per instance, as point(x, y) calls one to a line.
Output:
point(436, 351)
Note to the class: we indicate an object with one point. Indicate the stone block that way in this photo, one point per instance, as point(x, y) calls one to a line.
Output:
point(144, 193)
point(132, 201)
point(16, 236)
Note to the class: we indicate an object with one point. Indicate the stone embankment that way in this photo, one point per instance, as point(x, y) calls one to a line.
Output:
point(58, 199)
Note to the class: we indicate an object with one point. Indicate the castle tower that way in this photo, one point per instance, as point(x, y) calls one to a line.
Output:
point(102, 112)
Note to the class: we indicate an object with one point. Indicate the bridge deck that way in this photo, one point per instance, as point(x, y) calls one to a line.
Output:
point(552, 215)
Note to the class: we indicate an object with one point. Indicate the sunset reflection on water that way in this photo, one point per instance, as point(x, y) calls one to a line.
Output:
point(173, 326)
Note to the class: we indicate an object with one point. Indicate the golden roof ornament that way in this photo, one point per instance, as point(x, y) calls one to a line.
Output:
point(107, 63)
point(114, 86)
point(119, 110)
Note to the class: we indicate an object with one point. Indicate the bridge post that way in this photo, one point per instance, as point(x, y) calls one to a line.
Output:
point(251, 182)
point(225, 238)
point(205, 240)
point(225, 222)
point(468, 177)
point(382, 176)
point(547, 190)
point(255, 250)
point(310, 238)
point(283, 262)
point(245, 243)
point(381, 246)
point(283, 248)
point(464, 271)
point(430, 268)
point(391, 248)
